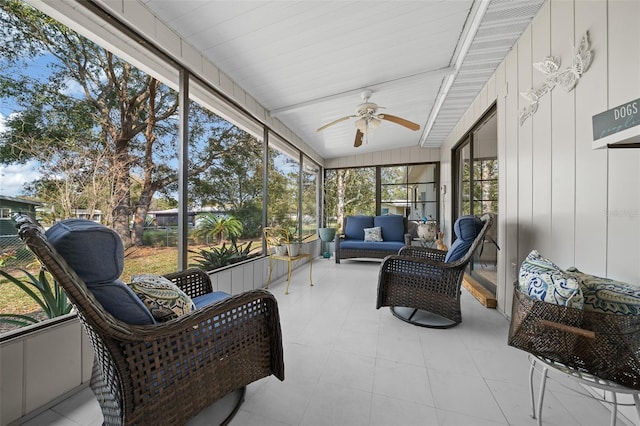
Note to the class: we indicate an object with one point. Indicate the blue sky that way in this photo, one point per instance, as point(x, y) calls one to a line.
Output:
point(14, 176)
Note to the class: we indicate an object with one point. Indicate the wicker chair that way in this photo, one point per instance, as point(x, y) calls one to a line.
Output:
point(421, 288)
point(166, 373)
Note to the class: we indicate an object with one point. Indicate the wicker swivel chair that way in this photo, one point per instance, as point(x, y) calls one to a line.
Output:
point(422, 285)
point(167, 372)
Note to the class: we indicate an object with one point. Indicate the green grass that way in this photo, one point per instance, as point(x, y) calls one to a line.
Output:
point(138, 260)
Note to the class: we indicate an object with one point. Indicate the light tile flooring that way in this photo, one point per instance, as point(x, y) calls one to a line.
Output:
point(347, 363)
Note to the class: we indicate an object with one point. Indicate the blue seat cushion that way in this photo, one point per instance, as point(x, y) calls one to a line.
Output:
point(394, 246)
point(466, 229)
point(354, 226)
point(392, 227)
point(209, 298)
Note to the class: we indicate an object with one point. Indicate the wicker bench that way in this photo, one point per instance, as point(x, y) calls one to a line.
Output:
point(353, 244)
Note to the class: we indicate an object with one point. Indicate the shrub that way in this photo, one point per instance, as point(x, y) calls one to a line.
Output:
point(50, 296)
point(218, 257)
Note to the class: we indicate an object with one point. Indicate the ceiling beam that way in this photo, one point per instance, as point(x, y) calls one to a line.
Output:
point(471, 28)
point(440, 72)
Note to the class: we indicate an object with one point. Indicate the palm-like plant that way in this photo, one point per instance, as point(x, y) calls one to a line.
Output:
point(218, 257)
point(49, 295)
point(218, 227)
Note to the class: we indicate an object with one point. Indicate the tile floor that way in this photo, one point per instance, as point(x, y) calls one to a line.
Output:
point(347, 363)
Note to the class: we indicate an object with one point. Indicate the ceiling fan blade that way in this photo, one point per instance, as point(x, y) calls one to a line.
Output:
point(335, 122)
point(358, 140)
point(401, 121)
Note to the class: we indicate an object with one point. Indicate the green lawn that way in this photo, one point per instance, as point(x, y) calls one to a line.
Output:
point(138, 260)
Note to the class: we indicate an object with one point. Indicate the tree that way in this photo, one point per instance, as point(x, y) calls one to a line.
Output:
point(119, 113)
point(348, 192)
point(233, 184)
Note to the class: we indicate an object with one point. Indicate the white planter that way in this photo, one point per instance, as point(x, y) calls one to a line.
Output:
point(280, 250)
point(294, 249)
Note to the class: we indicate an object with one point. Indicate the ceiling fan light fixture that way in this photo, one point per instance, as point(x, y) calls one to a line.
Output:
point(374, 123)
point(361, 124)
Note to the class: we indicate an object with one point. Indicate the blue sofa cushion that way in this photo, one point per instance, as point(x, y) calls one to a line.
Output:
point(466, 229)
point(354, 227)
point(96, 254)
point(392, 227)
point(209, 298)
point(393, 246)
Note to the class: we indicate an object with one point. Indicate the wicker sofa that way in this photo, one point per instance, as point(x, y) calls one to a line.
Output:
point(353, 243)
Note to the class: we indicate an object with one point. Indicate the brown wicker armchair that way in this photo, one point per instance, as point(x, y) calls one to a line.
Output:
point(421, 288)
point(166, 373)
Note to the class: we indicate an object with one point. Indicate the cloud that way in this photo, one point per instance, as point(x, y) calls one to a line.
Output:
point(14, 176)
point(72, 88)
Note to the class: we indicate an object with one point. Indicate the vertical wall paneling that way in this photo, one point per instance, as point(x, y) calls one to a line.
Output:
point(591, 165)
point(87, 357)
point(510, 169)
point(623, 242)
point(503, 270)
point(526, 230)
point(541, 149)
point(562, 142)
point(11, 381)
point(54, 362)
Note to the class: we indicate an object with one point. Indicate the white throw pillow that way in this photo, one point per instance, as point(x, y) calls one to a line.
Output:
point(373, 234)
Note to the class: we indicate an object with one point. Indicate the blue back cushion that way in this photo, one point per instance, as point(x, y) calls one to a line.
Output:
point(392, 227)
point(466, 229)
point(354, 226)
point(120, 301)
point(96, 254)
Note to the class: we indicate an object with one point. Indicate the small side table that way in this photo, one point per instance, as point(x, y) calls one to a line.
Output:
point(425, 243)
point(544, 365)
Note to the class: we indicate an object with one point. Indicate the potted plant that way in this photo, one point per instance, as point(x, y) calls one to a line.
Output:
point(294, 245)
point(326, 235)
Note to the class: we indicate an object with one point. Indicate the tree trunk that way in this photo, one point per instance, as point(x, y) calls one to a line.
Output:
point(341, 188)
point(140, 215)
point(121, 192)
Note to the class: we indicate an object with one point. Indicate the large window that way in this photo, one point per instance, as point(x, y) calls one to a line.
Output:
point(476, 190)
point(310, 195)
point(106, 138)
point(409, 190)
point(349, 192)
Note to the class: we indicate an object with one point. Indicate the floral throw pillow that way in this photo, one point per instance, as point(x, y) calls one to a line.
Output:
point(373, 234)
point(542, 279)
point(161, 296)
point(607, 295)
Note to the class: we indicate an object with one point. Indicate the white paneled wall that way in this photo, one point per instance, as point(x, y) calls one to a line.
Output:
point(41, 367)
point(576, 205)
point(394, 156)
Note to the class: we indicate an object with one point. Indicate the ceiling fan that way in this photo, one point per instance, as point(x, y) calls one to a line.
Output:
point(369, 119)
